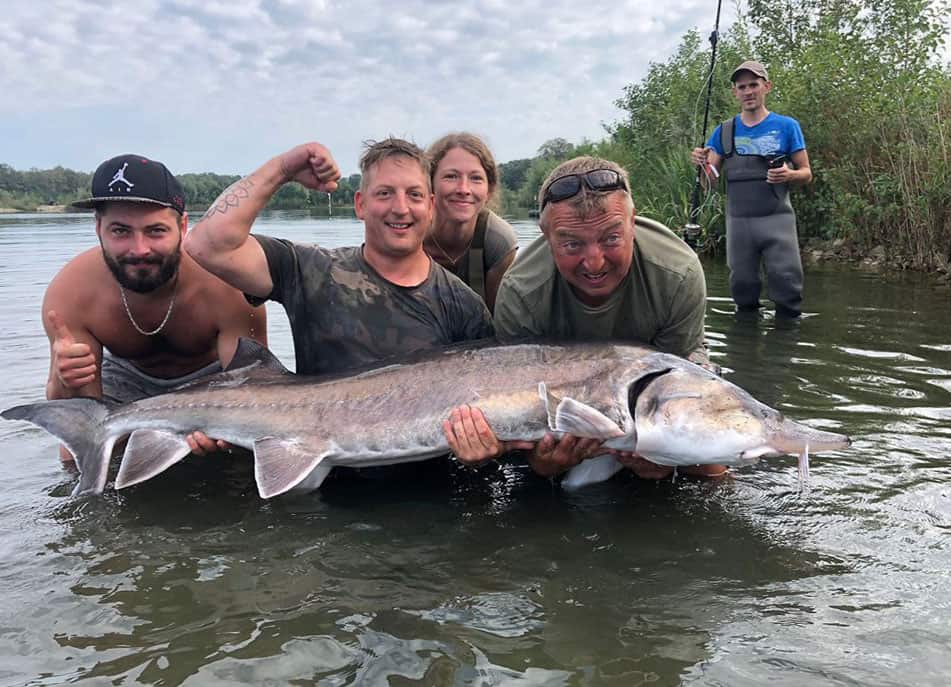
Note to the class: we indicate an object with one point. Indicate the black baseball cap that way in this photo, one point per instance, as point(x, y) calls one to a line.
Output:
point(137, 179)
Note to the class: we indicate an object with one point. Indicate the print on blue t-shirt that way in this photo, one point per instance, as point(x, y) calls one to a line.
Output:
point(775, 135)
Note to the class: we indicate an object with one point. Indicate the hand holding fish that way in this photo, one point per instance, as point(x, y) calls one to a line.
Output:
point(73, 361)
point(642, 467)
point(312, 166)
point(201, 444)
point(472, 440)
point(552, 457)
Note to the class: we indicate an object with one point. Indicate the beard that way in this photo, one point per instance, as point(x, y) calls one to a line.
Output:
point(144, 279)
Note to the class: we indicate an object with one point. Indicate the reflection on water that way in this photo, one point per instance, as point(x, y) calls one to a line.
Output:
point(497, 577)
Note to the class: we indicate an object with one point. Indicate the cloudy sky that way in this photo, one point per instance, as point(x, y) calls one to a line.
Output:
point(222, 85)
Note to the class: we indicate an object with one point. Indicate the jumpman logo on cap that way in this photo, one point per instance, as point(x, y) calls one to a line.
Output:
point(120, 176)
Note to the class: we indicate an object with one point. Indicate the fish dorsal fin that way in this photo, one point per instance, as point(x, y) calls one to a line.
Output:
point(574, 417)
point(283, 464)
point(148, 453)
point(249, 352)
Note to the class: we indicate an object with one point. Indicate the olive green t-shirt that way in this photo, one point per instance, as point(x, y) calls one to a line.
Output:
point(661, 302)
point(343, 314)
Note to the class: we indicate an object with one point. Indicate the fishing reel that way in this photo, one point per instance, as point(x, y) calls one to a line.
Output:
point(692, 234)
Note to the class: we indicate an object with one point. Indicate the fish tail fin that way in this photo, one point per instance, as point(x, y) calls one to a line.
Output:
point(80, 423)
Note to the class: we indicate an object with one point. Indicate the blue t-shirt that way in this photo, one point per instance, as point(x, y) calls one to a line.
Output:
point(775, 135)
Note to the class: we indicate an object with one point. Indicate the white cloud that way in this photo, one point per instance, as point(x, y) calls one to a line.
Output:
point(222, 85)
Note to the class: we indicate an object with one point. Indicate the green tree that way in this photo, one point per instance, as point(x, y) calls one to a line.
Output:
point(864, 78)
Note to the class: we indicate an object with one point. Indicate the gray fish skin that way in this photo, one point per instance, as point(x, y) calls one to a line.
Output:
point(634, 398)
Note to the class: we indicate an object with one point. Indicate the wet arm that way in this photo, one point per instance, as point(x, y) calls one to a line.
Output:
point(75, 354)
point(221, 243)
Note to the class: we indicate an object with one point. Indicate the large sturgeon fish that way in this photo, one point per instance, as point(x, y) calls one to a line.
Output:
point(635, 398)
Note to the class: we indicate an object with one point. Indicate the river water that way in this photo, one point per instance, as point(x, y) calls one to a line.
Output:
point(497, 578)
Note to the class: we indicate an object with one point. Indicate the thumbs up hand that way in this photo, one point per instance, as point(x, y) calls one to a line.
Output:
point(73, 362)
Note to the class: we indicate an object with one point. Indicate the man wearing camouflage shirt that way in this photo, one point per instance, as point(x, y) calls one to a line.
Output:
point(347, 306)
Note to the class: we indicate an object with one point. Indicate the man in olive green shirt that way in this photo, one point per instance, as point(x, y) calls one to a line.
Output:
point(655, 291)
point(587, 278)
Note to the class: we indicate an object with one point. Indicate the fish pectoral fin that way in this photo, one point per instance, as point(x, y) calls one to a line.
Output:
point(574, 417)
point(581, 420)
point(148, 453)
point(591, 471)
point(283, 464)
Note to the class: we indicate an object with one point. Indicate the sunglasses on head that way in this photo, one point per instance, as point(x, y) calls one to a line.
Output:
point(570, 184)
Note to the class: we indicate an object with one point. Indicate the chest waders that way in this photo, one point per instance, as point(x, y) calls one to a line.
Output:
point(760, 226)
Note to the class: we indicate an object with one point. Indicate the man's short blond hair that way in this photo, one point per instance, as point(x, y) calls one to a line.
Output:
point(376, 151)
point(586, 201)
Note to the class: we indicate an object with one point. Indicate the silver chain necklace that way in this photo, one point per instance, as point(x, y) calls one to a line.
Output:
point(168, 314)
point(448, 257)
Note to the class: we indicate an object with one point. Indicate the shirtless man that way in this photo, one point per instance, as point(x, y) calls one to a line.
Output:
point(137, 316)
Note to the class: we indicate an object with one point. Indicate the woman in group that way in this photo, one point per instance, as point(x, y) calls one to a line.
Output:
point(467, 238)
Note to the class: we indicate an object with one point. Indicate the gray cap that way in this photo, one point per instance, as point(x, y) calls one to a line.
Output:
point(750, 66)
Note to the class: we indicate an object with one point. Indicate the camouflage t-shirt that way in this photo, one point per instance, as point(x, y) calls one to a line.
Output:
point(661, 302)
point(343, 314)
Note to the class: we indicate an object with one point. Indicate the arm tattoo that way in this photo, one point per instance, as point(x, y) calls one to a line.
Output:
point(285, 172)
point(230, 198)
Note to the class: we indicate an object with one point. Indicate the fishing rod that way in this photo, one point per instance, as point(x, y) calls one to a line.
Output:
point(692, 228)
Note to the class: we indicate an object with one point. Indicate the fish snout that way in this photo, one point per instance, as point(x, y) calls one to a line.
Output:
point(794, 438)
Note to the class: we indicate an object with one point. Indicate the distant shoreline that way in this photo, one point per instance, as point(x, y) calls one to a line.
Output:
point(53, 209)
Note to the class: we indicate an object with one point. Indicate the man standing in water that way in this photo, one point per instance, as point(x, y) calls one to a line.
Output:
point(135, 317)
point(347, 306)
point(598, 272)
point(755, 150)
